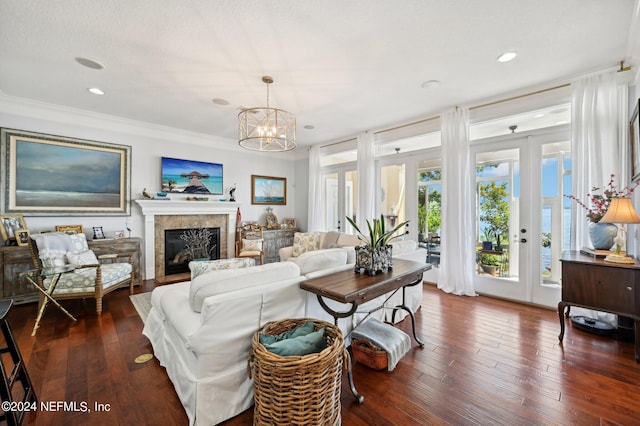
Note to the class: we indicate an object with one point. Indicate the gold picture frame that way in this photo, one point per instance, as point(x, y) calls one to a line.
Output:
point(290, 222)
point(69, 229)
point(22, 237)
point(268, 190)
point(272, 221)
point(11, 223)
point(66, 176)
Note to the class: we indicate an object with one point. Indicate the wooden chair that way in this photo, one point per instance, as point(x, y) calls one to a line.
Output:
point(92, 277)
point(251, 242)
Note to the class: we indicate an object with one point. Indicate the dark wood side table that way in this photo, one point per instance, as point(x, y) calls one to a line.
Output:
point(356, 288)
point(595, 284)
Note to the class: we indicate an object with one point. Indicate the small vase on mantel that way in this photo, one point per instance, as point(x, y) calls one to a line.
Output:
point(602, 235)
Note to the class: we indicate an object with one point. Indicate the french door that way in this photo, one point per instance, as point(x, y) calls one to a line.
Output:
point(339, 186)
point(519, 214)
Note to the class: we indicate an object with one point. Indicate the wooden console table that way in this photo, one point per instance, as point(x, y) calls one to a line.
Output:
point(355, 288)
point(595, 284)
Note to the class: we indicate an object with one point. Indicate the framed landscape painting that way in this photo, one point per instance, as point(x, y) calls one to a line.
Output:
point(48, 175)
point(268, 190)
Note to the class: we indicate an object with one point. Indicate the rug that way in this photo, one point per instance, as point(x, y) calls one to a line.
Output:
point(142, 303)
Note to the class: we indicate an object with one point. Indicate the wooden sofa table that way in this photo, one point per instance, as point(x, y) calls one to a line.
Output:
point(354, 288)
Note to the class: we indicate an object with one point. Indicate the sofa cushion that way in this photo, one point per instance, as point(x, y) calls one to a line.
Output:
point(200, 267)
point(112, 273)
point(319, 259)
point(403, 246)
point(345, 240)
point(304, 242)
point(228, 280)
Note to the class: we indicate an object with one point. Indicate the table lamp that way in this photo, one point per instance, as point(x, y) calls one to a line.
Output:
point(620, 211)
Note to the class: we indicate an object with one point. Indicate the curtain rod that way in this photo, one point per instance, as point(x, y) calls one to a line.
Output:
point(436, 117)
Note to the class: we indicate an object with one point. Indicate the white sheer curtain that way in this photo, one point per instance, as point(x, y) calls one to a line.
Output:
point(315, 191)
point(366, 169)
point(596, 142)
point(599, 148)
point(458, 235)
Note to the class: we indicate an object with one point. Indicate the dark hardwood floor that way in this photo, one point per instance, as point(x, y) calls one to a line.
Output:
point(486, 362)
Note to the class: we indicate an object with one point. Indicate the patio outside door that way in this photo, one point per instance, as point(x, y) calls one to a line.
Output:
point(520, 182)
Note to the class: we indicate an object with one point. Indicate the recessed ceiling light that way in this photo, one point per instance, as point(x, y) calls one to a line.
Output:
point(95, 91)
point(561, 122)
point(507, 56)
point(309, 127)
point(219, 101)
point(538, 115)
point(89, 63)
point(430, 84)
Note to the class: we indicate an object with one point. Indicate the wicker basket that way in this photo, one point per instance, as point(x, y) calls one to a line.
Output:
point(368, 354)
point(297, 390)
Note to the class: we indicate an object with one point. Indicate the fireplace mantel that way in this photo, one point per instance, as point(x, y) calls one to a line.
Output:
point(152, 208)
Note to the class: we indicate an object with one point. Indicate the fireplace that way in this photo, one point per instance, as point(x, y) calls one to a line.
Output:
point(176, 255)
point(182, 214)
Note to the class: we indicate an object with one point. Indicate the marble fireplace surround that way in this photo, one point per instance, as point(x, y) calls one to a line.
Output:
point(160, 215)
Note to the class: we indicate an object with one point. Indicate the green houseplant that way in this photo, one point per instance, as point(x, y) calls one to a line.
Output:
point(375, 255)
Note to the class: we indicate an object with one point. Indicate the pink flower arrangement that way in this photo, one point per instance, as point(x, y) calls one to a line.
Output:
point(600, 203)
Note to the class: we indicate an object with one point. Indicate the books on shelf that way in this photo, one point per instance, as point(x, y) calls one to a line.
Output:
point(598, 253)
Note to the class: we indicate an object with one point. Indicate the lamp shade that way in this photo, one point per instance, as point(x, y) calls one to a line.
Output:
point(620, 211)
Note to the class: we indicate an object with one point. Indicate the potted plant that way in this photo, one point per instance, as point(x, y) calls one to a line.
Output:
point(488, 263)
point(375, 255)
point(198, 243)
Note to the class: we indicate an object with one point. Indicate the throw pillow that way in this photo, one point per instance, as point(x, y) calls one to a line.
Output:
point(298, 346)
point(85, 258)
point(301, 330)
point(78, 243)
point(251, 245)
point(304, 242)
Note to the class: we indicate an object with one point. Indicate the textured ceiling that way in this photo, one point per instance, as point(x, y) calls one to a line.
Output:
point(341, 66)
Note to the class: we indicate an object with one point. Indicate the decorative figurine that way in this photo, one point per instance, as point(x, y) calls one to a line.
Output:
point(232, 193)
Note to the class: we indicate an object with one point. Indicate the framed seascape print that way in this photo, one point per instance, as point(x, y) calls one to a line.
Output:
point(634, 140)
point(11, 224)
point(49, 175)
point(268, 190)
point(191, 177)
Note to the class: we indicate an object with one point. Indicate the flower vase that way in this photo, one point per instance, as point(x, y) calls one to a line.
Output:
point(602, 235)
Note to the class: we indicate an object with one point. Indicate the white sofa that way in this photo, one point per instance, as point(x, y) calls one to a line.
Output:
point(201, 330)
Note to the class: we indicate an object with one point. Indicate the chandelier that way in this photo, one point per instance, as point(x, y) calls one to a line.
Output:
point(267, 129)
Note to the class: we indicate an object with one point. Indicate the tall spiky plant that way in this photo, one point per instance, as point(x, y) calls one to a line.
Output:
point(378, 235)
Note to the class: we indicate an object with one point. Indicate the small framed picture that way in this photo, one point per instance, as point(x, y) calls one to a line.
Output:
point(22, 237)
point(11, 223)
point(290, 222)
point(98, 233)
point(118, 234)
point(272, 221)
point(69, 229)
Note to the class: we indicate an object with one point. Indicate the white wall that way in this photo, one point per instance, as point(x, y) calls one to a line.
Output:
point(149, 143)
